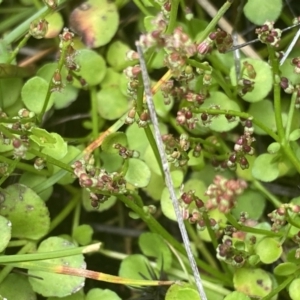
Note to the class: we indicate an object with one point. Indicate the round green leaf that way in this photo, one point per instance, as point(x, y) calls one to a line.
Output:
point(138, 173)
point(182, 291)
point(55, 25)
point(268, 11)
point(111, 79)
point(236, 296)
point(57, 150)
point(269, 250)
point(251, 202)
point(31, 180)
point(26, 211)
point(92, 67)
point(16, 286)
point(114, 138)
point(155, 186)
point(253, 282)
point(72, 153)
point(96, 21)
point(262, 83)
point(111, 162)
point(166, 204)
point(10, 91)
point(264, 168)
point(220, 123)
point(112, 104)
point(116, 55)
point(134, 267)
point(294, 135)
point(97, 294)
point(258, 111)
point(294, 289)
point(34, 93)
point(285, 269)
point(77, 296)
point(83, 234)
point(5, 229)
point(273, 148)
point(57, 285)
point(153, 245)
point(161, 107)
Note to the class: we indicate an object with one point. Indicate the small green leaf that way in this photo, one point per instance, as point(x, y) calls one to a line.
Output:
point(10, 91)
point(111, 79)
point(273, 148)
point(138, 173)
point(162, 109)
point(97, 294)
point(96, 21)
point(134, 267)
point(294, 135)
point(153, 245)
point(257, 110)
point(68, 94)
point(166, 204)
point(92, 67)
point(83, 234)
point(251, 202)
point(237, 296)
point(34, 93)
point(57, 150)
point(155, 187)
point(268, 11)
point(264, 168)
point(112, 139)
point(72, 153)
point(269, 250)
point(262, 83)
point(31, 180)
point(55, 25)
point(26, 211)
point(182, 291)
point(116, 55)
point(16, 286)
point(112, 104)
point(57, 285)
point(219, 123)
point(252, 282)
point(42, 136)
point(5, 229)
point(294, 288)
point(285, 269)
point(111, 162)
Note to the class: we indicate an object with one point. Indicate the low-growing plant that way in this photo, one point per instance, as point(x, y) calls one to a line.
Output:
point(78, 137)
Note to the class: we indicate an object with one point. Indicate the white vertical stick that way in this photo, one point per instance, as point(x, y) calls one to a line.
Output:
point(165, 165)
point(290, 48)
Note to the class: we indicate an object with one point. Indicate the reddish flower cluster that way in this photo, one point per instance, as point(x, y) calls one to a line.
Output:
point(222, 193)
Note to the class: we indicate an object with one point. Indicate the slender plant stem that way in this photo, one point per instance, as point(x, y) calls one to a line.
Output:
point(277, 96)
point(290, 116)
point(142, 8)
point(238, 226)
point(200, 245)
point(210, 27)
point(173, 16)
point(265, 192)
point(95, 119)
point(7, 269)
